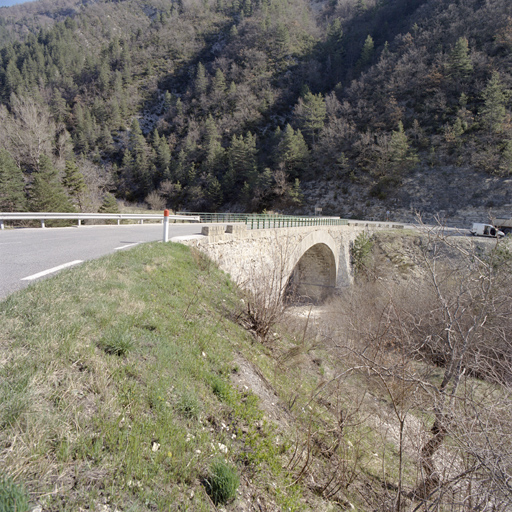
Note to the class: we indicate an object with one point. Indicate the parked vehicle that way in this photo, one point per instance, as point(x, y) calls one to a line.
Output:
point(486, 230)
point(504, 225)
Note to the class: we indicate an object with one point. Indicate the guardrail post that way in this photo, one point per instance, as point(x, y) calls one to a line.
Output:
point(166, 225)
point(79, 222)
point(42, 223)
point(1, 224)
point(118, 222)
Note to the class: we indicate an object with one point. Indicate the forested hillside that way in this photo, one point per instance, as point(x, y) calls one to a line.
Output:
point(256, 104)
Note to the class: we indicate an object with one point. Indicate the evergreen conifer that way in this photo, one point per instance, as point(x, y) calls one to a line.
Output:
point(12, 185)
point(47, 193)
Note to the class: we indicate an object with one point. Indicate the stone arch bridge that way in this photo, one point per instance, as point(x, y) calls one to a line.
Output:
point(310, 261)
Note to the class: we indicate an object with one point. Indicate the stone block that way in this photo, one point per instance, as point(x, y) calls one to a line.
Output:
point(236, 229)
point(217, 230)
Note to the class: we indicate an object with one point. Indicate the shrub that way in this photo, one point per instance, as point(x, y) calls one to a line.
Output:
point(223, 482)
point(188, 405)
point(220, 387)
point(360, 252)
point(109, 205)
point(116, 343)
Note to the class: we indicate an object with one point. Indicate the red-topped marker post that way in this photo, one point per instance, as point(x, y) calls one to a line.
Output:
point(166, 225)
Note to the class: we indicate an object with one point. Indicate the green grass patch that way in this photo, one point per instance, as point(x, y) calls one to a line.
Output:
point(13, 497)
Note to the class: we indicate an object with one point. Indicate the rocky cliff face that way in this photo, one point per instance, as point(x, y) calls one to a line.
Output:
point(457, 197)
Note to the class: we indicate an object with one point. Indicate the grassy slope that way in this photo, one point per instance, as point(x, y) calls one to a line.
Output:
point(115, 389)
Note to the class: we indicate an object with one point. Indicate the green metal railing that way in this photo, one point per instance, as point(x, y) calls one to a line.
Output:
point(262, 221)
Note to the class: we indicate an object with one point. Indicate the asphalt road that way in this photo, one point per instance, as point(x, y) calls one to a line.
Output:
point(27, 255)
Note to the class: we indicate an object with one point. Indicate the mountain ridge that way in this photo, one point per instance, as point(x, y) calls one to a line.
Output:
point(250, 105)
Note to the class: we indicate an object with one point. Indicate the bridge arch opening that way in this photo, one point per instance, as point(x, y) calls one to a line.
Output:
point(313, 278)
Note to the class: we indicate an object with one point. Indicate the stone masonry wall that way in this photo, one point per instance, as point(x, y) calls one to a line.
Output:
point(269, 256)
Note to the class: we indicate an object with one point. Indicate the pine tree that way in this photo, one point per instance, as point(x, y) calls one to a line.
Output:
point(292, 150)
point(201, 81)
point(179, 167)
point(109, 204)
point(83, 129)
point(13, 79)
point(361, 6)
point(163, 155)
point(167, 101)
point(179, 108)
point(335, 50)
point(295, 195)
point(247, 8)
point(242, 160)
point(460, 61)
point(310, 113)
point(141, 168)
point(213, 192)
point(246, 195)
point(505, 167)
point(47, 193)
point(104, 74)
point(117, 84)
point(493, 112)
point(453, 133)
point(401, 156)
point(107, 142)
point(281, 40)
point(219, 82)
point(265, 181)
point(232, 97)
point(126, 64)
point(75, 184)
point(212, 145)
point(137, 142)
point(366, 53)
point(59, 107)
point(12, 185)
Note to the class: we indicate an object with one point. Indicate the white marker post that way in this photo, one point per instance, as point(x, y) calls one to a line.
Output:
point(166, 225)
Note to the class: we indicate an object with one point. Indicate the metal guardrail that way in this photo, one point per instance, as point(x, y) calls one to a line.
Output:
point(43, 216)
point(251, 220)
point(262, 221)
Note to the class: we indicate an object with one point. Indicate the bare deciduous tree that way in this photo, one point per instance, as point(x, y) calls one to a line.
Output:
point(436, 353)
point(28, 131)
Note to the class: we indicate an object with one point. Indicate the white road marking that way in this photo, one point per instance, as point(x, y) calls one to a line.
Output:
point(51, 270)
point(125, 246)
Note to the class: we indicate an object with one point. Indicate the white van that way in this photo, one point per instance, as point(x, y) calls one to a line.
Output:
point(486, 230)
